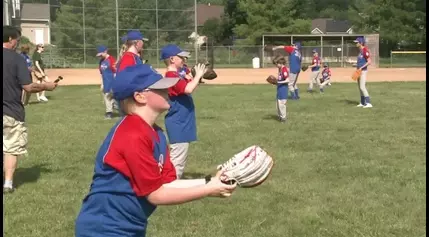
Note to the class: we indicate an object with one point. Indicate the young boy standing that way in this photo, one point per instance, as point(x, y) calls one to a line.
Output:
point(133, 173)
point(180, 119)
point(107, 71)
point(282, 87)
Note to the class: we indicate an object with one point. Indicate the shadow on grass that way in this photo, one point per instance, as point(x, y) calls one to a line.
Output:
point(350, 102)
point(270, 117)
point(29, 175)
point(193, 175)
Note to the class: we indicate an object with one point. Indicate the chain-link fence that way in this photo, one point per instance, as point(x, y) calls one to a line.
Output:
point(75, 27)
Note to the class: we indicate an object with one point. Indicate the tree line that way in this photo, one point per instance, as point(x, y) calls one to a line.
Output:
point(400, 24)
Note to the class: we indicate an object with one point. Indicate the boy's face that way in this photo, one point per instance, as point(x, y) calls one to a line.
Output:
point(177, 61)
point(279, 65)
point(156, 99)
point(139, 45)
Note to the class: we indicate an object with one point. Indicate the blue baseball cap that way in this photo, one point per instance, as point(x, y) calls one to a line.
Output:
point(101, 49)
point(314, 51)
point(325, 64)
point(297, 44)
point(171, 50)
point(138, 78)
point(124, 39)
point(134, 35)
point(360, 40)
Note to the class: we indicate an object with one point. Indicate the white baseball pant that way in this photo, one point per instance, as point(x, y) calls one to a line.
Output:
point(362, 84)
point(313, 78)
point(178, 156)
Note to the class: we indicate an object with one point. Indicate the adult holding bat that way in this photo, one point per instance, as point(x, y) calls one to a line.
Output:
point(15, 79)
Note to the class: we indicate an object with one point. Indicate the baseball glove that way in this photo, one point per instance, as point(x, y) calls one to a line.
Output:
point(248, 168)
point(209, 75)
point(304, 68)
point(272, 79)
point(356, 74)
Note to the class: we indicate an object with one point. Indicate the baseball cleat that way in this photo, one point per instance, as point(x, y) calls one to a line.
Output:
point(368, 105)
point(360, 105)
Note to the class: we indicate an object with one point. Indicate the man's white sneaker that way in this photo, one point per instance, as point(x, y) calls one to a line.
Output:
point(368, 105)
point(43, 98)
point(359, 105)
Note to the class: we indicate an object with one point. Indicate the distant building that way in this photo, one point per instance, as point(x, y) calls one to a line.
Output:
point(330, 26)
point(32, 18)
point(208, 11)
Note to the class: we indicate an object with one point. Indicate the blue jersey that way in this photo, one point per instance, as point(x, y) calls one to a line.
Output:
point(282, 87)
point(180, 120)
point(107, 70)
point(132, 162)
point(294, 59)
point(27, 60)
point(316, 60)
point(362, 58)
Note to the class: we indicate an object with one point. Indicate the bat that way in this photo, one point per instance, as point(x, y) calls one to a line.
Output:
point(58, 79)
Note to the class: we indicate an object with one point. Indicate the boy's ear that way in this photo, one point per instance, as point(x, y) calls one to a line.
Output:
point(140, 97)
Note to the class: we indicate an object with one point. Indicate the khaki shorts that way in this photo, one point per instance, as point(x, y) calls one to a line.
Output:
point(14, 136)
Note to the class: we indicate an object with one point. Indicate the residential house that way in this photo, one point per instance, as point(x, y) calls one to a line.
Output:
point(330, 26)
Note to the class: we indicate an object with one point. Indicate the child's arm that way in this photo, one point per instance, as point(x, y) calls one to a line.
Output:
point(189, 190)
point(288, 49)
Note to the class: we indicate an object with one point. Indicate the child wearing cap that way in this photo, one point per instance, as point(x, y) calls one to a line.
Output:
point(295, 59)
point(315, 70)
point(107, 71)
point(363, 61)
point(282, 87)
point(131, 50)
point(180, 119)
point(326, 77)
point(133, 173)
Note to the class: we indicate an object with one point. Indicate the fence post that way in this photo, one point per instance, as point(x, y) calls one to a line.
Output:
point(391, 58)
point(229, 54)
point(157, 33)
point(84, 40)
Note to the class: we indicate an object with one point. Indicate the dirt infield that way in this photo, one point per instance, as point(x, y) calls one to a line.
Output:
point(253, 76)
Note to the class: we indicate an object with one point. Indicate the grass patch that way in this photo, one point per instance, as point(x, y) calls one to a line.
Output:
point(340, 170)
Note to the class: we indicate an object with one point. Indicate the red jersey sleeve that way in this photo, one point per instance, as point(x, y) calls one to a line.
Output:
point(145, 172)
point(289, 49)
point(168, 172)
point(126, 60)
point(285, 72)
point(329, 73)
point(365, 52)
point(179, 88)
point(112, 62)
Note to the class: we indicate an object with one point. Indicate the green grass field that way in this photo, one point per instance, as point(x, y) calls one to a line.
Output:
point(340, 170)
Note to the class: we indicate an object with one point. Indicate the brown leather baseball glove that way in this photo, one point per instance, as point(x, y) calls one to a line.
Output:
point(209, 75)
point(272, 80)
point(356, 74)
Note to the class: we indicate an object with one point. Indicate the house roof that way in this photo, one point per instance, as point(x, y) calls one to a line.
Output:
point(327, 25)
point(208, 11)
point(35, 11)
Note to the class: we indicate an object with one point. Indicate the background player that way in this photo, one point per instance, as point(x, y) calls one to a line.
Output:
point(107, 71)
point(133, 173)
point(363, 61)
point(180, 121)
point(131, 50)
point(295, 59)
point(282, 88)
point(39, 70)
point(326, 77)
point(315, 70)
point(25, 50)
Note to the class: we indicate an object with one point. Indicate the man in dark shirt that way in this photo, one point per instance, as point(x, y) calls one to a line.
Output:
point(15, 79)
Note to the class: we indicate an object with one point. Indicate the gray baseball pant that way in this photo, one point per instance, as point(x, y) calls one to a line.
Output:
point(362, 84)
point(178, 156)
point(313, 78)
point(293, 78)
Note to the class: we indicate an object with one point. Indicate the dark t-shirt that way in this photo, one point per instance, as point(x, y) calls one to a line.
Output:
point(38, 57)
point(15, 75)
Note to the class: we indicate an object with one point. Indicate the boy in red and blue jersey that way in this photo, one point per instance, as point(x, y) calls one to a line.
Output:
point(326, 77)
point(133, 173)
point(180, 121)
point(132, 48)
point(315, 70)
point(295, 59)
point(363, 61)
point(282, 89)
point(107, 71)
